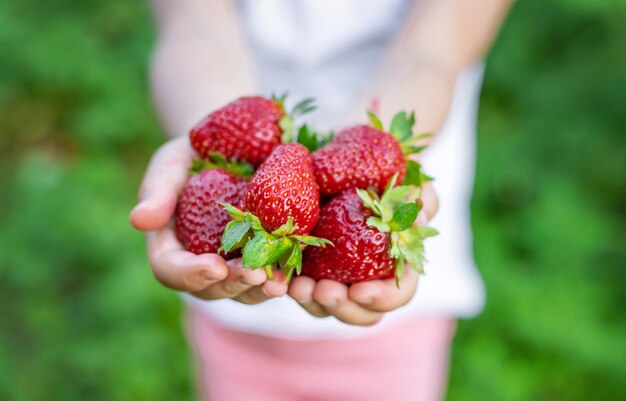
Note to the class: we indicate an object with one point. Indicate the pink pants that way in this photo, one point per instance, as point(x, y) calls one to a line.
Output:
point(407, 363)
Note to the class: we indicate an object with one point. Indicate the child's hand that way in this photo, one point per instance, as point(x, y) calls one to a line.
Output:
point(365, 303)
point(361, 304)
point(207, 276)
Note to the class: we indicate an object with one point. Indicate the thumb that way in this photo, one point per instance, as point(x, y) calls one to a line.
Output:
point(165, 177)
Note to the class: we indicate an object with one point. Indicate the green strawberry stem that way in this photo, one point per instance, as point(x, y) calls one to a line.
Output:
point(217, 160)
point(395, 213)
point(261, 249)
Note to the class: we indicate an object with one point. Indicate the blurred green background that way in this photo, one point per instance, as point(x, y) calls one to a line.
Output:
point(82, 318)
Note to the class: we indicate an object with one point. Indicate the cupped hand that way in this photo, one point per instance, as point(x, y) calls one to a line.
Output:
point(361, 304)
point(206, 276)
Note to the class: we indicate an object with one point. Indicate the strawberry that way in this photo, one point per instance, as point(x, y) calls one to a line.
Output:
point(281, 206)
point(365, 156)
point(373, 237)
point(200, 218)
point(247, 129)
point(284, 186)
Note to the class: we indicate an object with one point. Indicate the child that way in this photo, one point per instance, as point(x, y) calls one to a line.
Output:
point(423, 56)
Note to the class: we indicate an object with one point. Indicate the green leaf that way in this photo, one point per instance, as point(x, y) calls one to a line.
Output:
point(394, 250)
point(292, 263)
point(235, 235)
point(233, 211)
point(413, 173)
point(311, 240)
point(397, 196)
point(399, 263)
point(367, 199)
point(286, 228)
point(427, 232)
point(376, 123)
point(307, 138)
point(312, 139)
point(198, 165)
point(303, 107)
point(392, 183)
point(287, 126)
point(280, 99)
point(402, 126)
point(423, 135)
point(403, 216)
point(410, 149)
point(218, 158)
point(425, 178)
point(264, 249)
point(411, 244)
point(378, 224)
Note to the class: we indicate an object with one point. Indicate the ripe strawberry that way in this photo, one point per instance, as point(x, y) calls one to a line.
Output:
point(284, 186)
point(247, 129)
point(281, 206)
point(365, 156)
point(360, 156)
point(373, 238)
point(360, 253)
point(200, 218)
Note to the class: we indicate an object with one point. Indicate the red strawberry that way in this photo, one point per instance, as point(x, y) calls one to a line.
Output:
point(281, 205)
point(364, 156)
point(360, 156)
point(360, 253)
point(372, 237)
point(284, 186)
point(247, 129)
point(200, 218)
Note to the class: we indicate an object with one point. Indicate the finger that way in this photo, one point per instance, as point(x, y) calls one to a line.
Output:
point(269, 289)
point(384, 295)
point(181, 270)
point(166, 175)
point(239, 280)
point(301, 290)
point(431, 203)
point(333, 296)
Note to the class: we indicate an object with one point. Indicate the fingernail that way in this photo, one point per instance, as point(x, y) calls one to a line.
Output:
point(212, 276)
point(141, 205)
point(267, 294)
point(306, 301)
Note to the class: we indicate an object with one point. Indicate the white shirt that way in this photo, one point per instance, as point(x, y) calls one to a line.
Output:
point(329, 50)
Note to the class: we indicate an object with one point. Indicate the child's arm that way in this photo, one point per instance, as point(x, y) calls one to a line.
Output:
point(442, 38)
point(199, 63)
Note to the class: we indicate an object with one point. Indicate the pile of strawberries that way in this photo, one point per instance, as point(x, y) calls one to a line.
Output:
point(338, 207)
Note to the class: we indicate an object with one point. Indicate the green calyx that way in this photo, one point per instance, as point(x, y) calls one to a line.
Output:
point(303, 134)
point(414, 174)
point(217, 160)
point(313, 139)
point(395, 213)
point(287, 124)
point(262, 249)
point(402, 129)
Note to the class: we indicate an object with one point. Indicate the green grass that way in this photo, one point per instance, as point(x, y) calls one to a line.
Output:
point(83, 318)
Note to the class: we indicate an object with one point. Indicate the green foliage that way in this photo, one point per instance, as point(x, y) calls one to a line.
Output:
point(548, 210)
point(82, 317)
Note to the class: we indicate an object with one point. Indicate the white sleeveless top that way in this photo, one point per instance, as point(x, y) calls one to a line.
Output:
point(329, 50)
